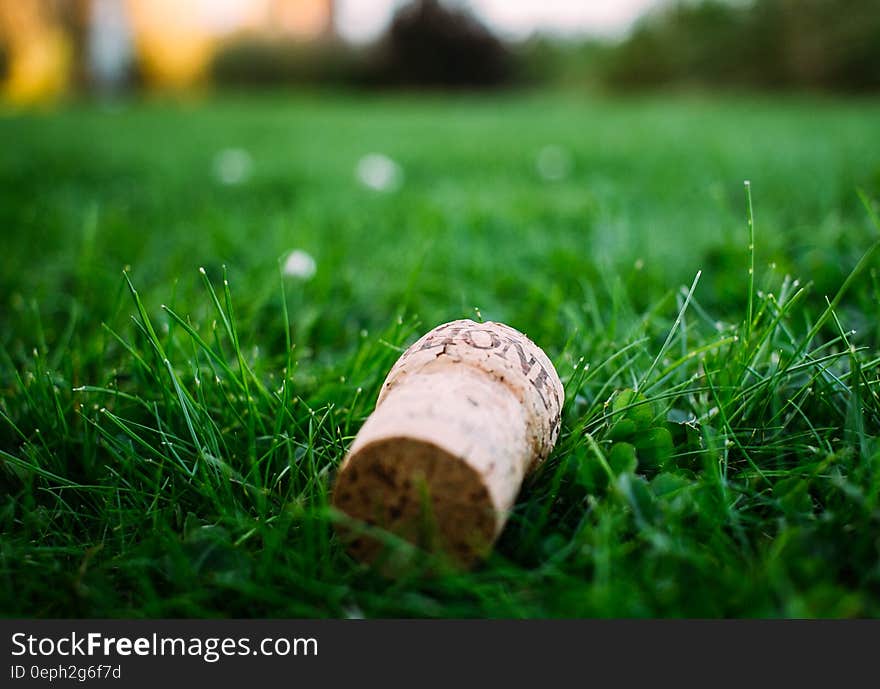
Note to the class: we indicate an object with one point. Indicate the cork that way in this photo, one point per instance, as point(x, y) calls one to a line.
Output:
point(464, 414)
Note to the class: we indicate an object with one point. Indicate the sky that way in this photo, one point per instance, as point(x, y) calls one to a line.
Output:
point(363, 20)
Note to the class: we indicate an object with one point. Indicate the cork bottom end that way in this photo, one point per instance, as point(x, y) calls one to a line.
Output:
point(419, 492)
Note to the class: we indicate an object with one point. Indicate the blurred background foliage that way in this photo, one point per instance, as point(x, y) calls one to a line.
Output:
point(800, 44)
point(51, 47)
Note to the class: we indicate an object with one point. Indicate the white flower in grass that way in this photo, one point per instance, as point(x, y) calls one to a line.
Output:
point(553, 163)
point(233, 166)
point(379, 172)
point(300, 264)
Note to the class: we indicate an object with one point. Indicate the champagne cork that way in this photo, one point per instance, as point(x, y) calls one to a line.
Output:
point(465, 413)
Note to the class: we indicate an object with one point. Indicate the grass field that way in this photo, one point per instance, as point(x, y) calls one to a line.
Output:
point(168, 438)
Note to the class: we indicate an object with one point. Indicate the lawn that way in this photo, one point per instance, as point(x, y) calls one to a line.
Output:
point(169, 435)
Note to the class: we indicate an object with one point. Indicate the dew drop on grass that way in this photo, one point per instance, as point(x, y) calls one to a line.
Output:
point(553, 163)
point(300, 264)
point(232, 166)
point(378, 172)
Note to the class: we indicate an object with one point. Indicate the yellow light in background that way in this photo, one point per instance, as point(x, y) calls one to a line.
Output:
point(174, 42)
point(176, 39)
point(40, 54)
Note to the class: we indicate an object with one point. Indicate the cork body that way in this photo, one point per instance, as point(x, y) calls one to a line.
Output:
point(463, 415)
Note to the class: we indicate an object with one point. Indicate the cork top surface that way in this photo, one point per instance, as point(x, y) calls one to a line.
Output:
point(503, 354)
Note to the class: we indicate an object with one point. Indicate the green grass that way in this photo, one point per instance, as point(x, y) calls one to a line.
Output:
point(168, 438)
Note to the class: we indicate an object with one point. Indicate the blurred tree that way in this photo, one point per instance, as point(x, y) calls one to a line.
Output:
point(253, 62)
point(833, 44)
point(828, 43)
point(74, 17)
point(549, 60)
point(430, 44)
point(4, 59)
